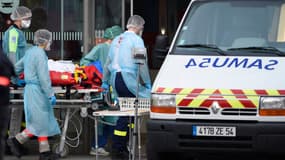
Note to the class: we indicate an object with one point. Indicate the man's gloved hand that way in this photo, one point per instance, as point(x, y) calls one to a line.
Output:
point(52, 100)
point(21, 82)
point(147, 85)
point(105, 87)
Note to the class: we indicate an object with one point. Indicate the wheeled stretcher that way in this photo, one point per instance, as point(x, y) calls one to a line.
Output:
point(69, 100)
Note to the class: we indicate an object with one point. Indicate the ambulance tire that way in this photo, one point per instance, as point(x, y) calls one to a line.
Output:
point(160, 156)
point(153, 156)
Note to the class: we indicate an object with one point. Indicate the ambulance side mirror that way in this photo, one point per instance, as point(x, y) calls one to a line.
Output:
point(160, 51)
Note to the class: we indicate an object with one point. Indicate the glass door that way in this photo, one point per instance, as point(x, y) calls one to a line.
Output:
point(103, 14)
point(76, 25)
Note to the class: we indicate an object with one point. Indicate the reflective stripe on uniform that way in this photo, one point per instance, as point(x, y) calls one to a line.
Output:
point(4, 81)
point(120, 133)
point(13, 40)
point(23, 124)
point(132, 125)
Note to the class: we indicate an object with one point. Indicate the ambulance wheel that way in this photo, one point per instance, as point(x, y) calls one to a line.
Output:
point(153, 155)
point(63, 153)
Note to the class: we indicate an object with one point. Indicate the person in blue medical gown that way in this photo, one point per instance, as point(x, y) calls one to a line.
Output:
point(99, 54)
point(39, 98)
point(100, 51)
point(121, 69)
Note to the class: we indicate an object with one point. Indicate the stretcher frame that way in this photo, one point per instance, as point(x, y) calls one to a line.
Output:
point(68, 103)
point(124, 113)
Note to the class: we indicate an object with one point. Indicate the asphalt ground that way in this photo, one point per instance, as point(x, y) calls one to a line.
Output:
point(69, 157)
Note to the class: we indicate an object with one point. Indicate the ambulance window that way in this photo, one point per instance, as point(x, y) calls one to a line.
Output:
point(276, 34)
point(281, 25)
point(225, 25)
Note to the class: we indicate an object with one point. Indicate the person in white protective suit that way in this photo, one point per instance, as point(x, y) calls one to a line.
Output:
point(121, 69)
point(39, 98)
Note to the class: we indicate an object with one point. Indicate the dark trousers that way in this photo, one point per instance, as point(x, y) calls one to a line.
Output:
point(4, 119)
point(120, 142)
point(103, 138)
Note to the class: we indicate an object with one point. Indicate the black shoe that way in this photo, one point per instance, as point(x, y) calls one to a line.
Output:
point(119, 155)
point(24, 150)
point(7, 150)
point(49, 156)
point(15, 146)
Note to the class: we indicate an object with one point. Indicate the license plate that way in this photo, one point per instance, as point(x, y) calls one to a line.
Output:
point(219, 131)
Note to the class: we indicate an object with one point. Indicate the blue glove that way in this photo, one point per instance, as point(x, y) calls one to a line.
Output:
point(147, 85)
point(105, 87)
point(52, 100)
point(20, 82)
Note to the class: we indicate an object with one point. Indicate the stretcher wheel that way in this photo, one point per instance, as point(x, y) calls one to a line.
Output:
point(83, 112)
point(64, 152)
point(95, 106)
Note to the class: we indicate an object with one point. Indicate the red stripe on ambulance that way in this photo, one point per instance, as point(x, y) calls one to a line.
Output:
point(243, 98)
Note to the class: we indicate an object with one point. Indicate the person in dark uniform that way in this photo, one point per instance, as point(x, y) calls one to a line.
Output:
point(6, 72)
point(14, 45)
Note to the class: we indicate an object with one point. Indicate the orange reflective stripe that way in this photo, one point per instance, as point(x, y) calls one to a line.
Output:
point(4, 81)
point(41, 139)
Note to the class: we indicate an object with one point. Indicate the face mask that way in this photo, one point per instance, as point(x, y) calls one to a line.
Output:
point(140, 33)
point(48, 46)
point(26, 23)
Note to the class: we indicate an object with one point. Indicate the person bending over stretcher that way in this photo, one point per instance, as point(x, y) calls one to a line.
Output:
point(100, 53)
point(39, 98)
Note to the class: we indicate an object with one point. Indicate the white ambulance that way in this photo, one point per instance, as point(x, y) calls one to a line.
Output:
point(221, 88)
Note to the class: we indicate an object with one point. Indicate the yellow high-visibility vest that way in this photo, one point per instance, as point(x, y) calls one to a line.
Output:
point(13, 40)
